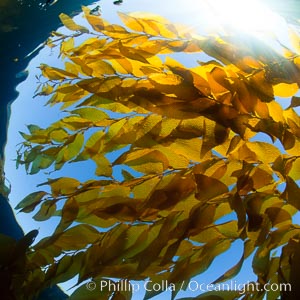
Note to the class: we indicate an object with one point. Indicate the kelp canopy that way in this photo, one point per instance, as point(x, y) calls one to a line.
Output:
point(189, 174)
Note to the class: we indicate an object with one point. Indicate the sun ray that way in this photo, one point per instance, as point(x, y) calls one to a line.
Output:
point(252, 17)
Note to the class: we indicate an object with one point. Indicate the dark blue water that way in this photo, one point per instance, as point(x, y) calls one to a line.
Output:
point(24, 24)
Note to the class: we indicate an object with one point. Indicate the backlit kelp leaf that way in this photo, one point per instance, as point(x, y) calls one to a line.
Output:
point(99, 67)
point(189, 148)
point(93, 45)
point(150, 70)
point(237, 205)
point(55, 73)
point(292, 168)
point(45, 90)
point(278, 215)
point(96, 254)
point(83, 235)
point(100, 85)
point(156, 246)
point(67, 267)
point(42, 161)
point(62, 185)
point(68, 215)
point(70, 24)
point(213, 135)
point(118, 32)
point(265, 152)
point(90, 113)
point(59, 135)
point(209, 187)
point(115, 128)
point(29, 203)
point(93, 145)
point(199, 262)
point(261, 262)
point(201, 216)
point(46, 211)
point(159, 27)
point(71, 149)
point(104, 167)
point(146, 161)
point(149, 24)
point(95, 21)
point(165, 79)
point(285, 90)
point(72, 68)
point(291, 193)
point(74, 123)
point(175, 160)
point(65, 47)
point(131, 22)
point(134, 54)
point(143, 188)
point(122, 65)
point(149, 123)
point(229, 229)
point(218, 82)
point(295, 102)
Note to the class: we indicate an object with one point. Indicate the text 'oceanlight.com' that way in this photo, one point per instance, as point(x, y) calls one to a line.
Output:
point(191, 286)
